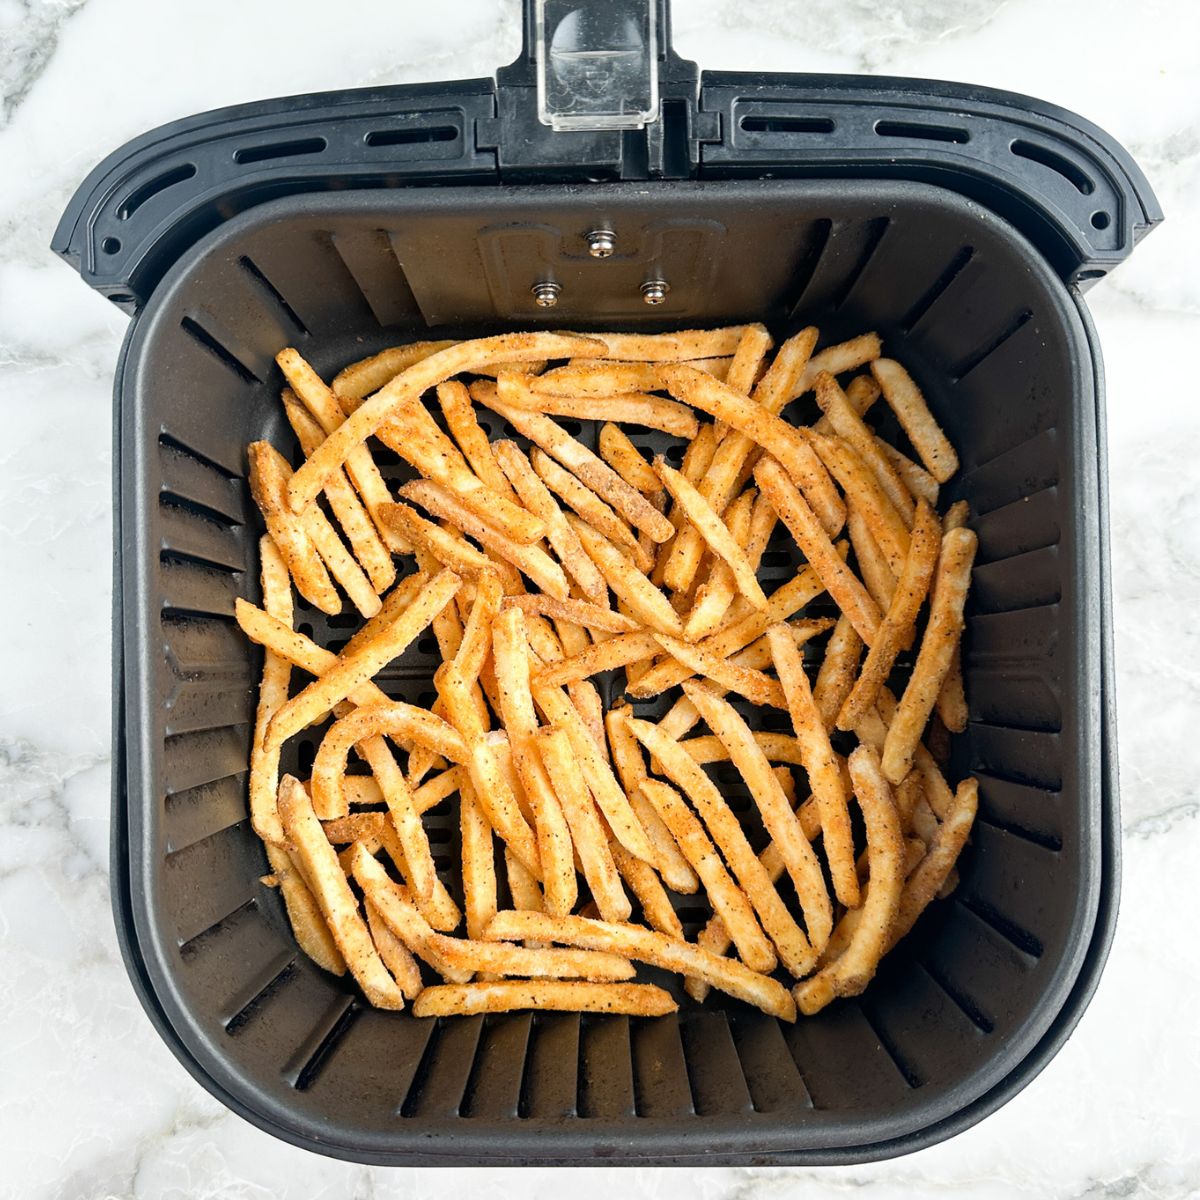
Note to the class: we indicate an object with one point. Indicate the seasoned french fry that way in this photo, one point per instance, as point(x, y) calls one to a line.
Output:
point(522, 887)
point(838, 671)
point(671, 347)
point(476, 642)
point(713, 597)
point(952, 700)
point(900, 619)
point(339, 561)
point(304, 914)
point(748, 358)
point(838, 359)
point(580, 612)
point(836, 577)
point(587, 832)
point(795, 951)
point(633, 408)
point(618, 651)
point(450, 549)
point(697, 459)
point(644, 883)
point(586, 698)
point(778, 747)
point(368, 375)
point(624, 457)
point(321, 871)
point(478, 863)
point(356, 827)
point(532, 560)
point(597, 377)
point(936, 653)
point(746, 681)
point(410, 384)
point(921, 485)
point(395, 954)
point(455, 403)
point(873, 565)
point(644, 945)
point(457, 1000)
point(905, 400)
point(853, 969)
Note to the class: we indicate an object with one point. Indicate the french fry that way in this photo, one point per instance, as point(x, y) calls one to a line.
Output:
point(841, 583)
point(580, 612)
point(849, 426)
point(397, 601)
point(727, 899)
point(268, 477)
point(905, 400)
point(532, 560)
point(589, 507)
point(450, 549)
point(837, 360)
point(921, 485)
point(644, 883)
point(354, 519)
point(952, 700)
point(476, 642)
point(632, 408)
point(838, 671)
point(323, 406)
point(768, 796)
point(795, 951)
point(936, 653)
point(618, 651)
point(713, 597)
point(577, 458)
point(362, 789)
point(319, 865)
point(643, 598)
point(697, 459)
point(304, 914)
point(457, 1000)
point(351, 672)
point(746, 681)
point(523, 889)
point(899, 621)
point(478, 863)
point(644, 945)
point(777, 437)
point(587, 833)
point(748, 358)
point(356, 827)
point(537, 498)
point(821, 764)
point(626, 752)
point(671, 347)
point(368, 375)
point(410, 384)
point(861, 392)
point(597, 377)
point(853, 969)
point(624, 457)
point(395, 954)
point(873, 565)
point(778, 747)
point(586, 698)
point(455, 403)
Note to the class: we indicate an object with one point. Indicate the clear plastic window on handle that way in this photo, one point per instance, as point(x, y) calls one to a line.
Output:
point(597, 63)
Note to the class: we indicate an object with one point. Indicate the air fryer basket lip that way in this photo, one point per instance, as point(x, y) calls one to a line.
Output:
point(148, 948)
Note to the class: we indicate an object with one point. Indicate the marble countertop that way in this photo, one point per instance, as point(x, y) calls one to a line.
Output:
point(92, 1105)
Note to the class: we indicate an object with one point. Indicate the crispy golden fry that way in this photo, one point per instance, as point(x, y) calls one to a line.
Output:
point(746, 681)
point(449, 548)
point(356, 827)
point(821, 764)
point(895, 630)
point(269, 473)
point(339, 561)
point(936, 653)
point(671, 347)
point(748, 358)
point(308, 924)
point(363, 789)
point(853, 969)
point(795, 952)
point(368, 375)
point(713, 597)
point(589, 506)
point(398, 600)
point(456, 1000)
point(647, 946)
point(727, 899)
point(410, 384)
point(319, 865)
point(849, 426)
point(777, 437)
point(532, 560)
point(626, 751)
point(354, 519)
point(476, 642)
point(934, 869)
point(586, 698)
point(323, 406)
point(597, 377)
point(643, 598)
point(713, 530)
point(952, 700)
point(587, 832)
point(644, 883)
point(862, 392)
point(697, 459)
point(395, 954)
point(837, 578)
point(838, 671)
point(632, 408)
point(838, 359)
point(579, 612)
point(873, 565)
point(350, 672)
point(618, 651)
point(577, 458)
point(522, 887)
point(626, 459)
point(594, 766)
point(455, 403)
point(905, 400)
point(477, 865)
point(921, 485)
point(537, 498)
point(778, 747)
point(768, 796)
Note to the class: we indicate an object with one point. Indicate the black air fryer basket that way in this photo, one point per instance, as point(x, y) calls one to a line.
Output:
point(960, 223)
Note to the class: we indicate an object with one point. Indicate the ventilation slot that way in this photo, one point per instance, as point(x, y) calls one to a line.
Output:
point(197, 508)
point(907, 1071)
point(151, 188)
point(875, 231)
point(275, 977)
point(1055, 162)
point(199, 334)
point(341, 1026)
point(253, 154)
point(1009, 930)
point(411, 137)
point(807, 265)
point(1047, 841)
point(962, 1002)
point(973, 360)
point(759, 124)
point(173, 443)
point(183, 558)
point(190, 945)
point(929, 133)
point(936, 291)
point(249, 267)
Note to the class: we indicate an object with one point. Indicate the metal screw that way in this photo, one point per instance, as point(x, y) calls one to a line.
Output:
point(545, 294)
point(601, 242)
point(655, 291)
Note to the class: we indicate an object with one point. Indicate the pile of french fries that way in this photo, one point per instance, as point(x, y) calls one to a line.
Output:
point(540, 566)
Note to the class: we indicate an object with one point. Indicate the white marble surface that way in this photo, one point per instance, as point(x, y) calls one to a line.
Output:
point(91, 1104)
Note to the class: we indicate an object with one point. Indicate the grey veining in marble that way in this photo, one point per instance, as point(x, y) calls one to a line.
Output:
point(92, 1106)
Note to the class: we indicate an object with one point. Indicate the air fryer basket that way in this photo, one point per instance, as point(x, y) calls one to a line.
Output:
point(967, 1009)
